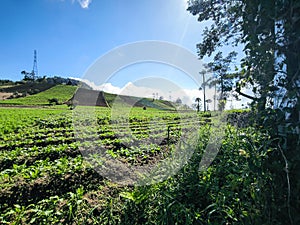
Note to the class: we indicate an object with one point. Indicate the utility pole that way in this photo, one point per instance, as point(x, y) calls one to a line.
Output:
point(203, 84)
point(215, 97)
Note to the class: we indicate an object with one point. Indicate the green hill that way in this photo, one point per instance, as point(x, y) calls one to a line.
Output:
point(61, 92)
point(123, 100)
point(86, 97)
point(27, 87)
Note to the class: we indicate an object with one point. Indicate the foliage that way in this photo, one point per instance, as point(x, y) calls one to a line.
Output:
point(222, 78)
point(44, 178)
point(6, 82)
point(53, 101)
point(30, 87)
point(114, 100)
point(232, 191)
point(269, 33)
point(199, 105)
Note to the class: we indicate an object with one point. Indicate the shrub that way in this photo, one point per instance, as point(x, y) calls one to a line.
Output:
point(53, 101)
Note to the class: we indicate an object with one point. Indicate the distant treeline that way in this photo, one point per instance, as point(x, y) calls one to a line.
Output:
point(44, 79)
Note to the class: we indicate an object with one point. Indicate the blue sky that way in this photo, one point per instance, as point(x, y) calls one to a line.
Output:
point(70, 36)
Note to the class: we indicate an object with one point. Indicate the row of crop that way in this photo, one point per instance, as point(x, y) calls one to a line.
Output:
point(141, 154)
point(36, 135)
point(41, 168)
point(22, 184)
point(13, 122)
point(45, 164)
point(77, 206)
point(68, 137)
point(40, 142)
point(28, 155)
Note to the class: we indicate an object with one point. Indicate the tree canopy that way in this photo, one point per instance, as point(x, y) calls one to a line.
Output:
point(220, 67)
point(269, 31)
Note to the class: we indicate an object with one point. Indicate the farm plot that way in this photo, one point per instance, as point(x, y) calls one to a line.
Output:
point(47, 158)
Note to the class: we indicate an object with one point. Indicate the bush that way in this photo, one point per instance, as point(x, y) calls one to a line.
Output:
point(53, 101)
point(239, 118)
point(205, 114)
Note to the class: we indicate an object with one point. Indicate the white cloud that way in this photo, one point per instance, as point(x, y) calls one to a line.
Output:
point(187, 96)
point(83, 3)
point(107, 87)
point(140, 91)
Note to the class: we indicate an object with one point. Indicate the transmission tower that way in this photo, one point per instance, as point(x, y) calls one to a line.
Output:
point(34, 72)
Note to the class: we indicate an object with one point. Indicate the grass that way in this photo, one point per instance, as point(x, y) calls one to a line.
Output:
point(60, 92)
point(64, 93)
point(129, 101)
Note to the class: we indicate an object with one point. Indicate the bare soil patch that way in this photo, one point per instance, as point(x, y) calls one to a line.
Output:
point(5, 95)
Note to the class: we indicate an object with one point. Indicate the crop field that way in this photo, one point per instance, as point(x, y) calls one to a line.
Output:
point(91, 166)
point(44, 175)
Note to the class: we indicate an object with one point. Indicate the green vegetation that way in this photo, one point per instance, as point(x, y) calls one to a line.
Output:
point(49, 157)
point(47, 174)
point(60, 92)
point(268, 32)
point(43, 93)
point(6, 83)
point(127, 101)
point(22, 87)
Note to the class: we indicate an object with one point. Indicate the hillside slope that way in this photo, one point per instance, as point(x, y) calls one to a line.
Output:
point(27, 87)
point(86, 97)
point(124, 100)
point(61, 92)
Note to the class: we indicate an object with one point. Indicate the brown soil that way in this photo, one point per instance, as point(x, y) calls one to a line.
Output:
point(5, 95)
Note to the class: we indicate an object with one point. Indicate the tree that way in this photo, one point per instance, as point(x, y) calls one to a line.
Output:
point(198, 101)
point(269, 32)
point(27, 76)
point(222, 78)
point(204, 84)
point(208, 101)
